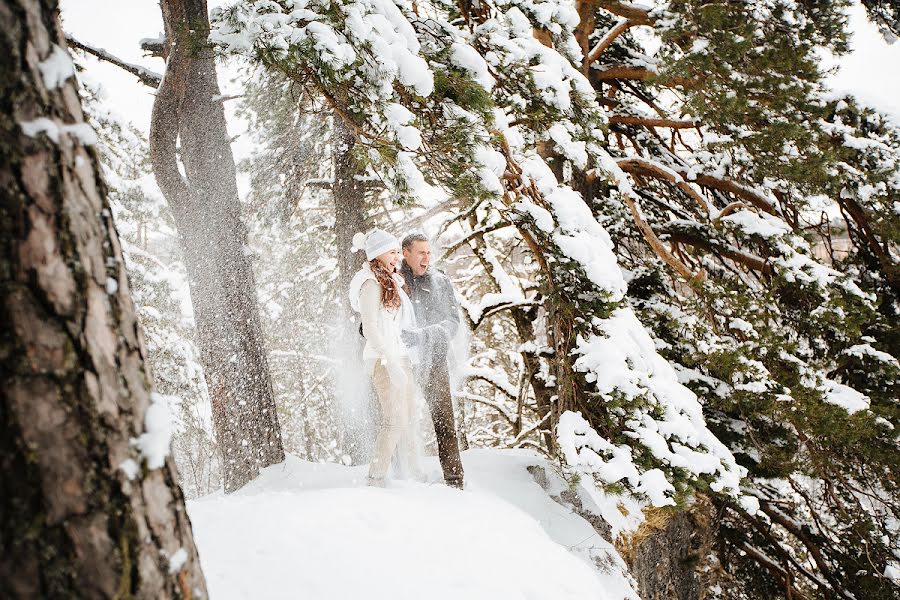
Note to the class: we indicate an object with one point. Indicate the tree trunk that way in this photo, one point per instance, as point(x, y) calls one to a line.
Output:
point(349, 218)
point(214, 240)
point(84, 510)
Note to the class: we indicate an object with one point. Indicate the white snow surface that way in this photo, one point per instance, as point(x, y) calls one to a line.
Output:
point(308, 530)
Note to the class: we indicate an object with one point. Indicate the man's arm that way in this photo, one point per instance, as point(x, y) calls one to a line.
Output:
point(451, 322)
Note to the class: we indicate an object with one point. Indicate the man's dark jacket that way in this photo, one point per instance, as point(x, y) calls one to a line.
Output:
point(434, 303)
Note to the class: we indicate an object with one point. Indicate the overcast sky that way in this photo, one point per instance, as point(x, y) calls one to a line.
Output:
point(118, 25)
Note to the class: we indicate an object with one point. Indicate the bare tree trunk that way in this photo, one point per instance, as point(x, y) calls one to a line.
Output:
point(214, 240)
point(83, 513)
point(349, 218)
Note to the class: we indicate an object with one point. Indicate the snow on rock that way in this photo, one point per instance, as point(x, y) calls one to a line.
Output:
point(306, 530)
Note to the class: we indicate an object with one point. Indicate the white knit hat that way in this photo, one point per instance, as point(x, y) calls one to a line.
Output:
point(375, 243)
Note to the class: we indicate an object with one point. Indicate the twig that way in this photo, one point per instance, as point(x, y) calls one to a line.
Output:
point(146, 76)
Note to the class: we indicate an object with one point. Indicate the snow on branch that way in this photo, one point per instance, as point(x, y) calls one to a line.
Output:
point(493, 377)
point(605, 42)
point(144, 75)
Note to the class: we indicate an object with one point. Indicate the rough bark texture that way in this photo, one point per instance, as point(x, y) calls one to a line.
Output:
point(74, 387)
point(214, 240)
point(665, 552)
point(349, 218)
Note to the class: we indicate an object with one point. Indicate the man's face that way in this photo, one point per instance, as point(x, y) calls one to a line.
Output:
point(418, 257)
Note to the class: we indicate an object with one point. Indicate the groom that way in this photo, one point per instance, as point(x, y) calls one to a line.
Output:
point(437, 315)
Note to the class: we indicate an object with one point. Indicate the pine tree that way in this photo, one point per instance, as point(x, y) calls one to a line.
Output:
point(89, 504)
point(207, 211)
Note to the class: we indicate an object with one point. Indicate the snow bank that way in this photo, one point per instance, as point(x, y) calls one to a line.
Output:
point(305, 530)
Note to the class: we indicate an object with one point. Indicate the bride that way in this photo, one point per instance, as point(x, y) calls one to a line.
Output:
point(376, 293)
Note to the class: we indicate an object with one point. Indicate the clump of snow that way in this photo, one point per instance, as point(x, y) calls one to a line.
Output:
point(571, 149)
point(750, 504)
point(112, 286)
point(56, 68)
point(491, 165)
point(177, 560)
point(399, 117)
point(866, 350)
point(130, 467)
point(844, 396)
point(407, 167)
point(761, 224)
point(154, 442)
point(892, 572)
point(467, 58)
point(83, 132)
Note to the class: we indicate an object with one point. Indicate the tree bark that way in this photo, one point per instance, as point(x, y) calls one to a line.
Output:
point(82, 514)
point(349, 218)
point(207, 212)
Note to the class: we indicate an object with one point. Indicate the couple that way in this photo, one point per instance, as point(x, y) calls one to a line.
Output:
point(408, 333)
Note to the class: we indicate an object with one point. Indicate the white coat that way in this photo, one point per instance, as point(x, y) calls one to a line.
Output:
point(382, 326)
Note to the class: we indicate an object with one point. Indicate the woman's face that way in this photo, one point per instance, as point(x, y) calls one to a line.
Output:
point(389, 259)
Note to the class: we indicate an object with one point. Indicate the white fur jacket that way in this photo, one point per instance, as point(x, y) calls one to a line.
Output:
point(382, 327)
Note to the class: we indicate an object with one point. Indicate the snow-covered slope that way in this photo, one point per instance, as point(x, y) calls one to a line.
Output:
point(305, 530)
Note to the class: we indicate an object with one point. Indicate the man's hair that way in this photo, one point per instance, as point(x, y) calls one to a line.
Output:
point(413, 237)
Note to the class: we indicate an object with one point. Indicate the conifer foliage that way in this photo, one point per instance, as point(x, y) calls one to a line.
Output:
point(714, 234)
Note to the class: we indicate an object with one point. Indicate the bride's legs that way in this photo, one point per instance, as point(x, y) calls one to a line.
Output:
point(407, 446)
point(392, 423)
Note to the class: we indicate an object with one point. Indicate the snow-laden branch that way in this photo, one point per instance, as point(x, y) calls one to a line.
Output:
point(144, 75)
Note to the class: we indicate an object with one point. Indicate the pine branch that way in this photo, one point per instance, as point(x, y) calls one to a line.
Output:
point(748, 260)
point(635, 12)
point(647, 122)
point(603, 44)
point(662, 172)
point(630, 72)
point(482, 400)
point(773, 567)
point(144, 75)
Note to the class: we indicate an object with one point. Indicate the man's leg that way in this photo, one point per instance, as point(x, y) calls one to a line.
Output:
point(440, 403)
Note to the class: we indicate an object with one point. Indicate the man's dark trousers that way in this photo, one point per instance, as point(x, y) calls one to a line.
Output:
point(436, 389)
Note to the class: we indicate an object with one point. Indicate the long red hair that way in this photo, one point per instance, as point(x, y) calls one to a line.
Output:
point(390, 295)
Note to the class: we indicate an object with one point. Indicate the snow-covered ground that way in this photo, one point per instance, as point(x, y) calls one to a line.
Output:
point(306, 530)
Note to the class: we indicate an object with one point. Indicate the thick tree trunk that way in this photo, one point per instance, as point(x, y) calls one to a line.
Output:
point(83, 513)
point(214, 240)
point(350, 212)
